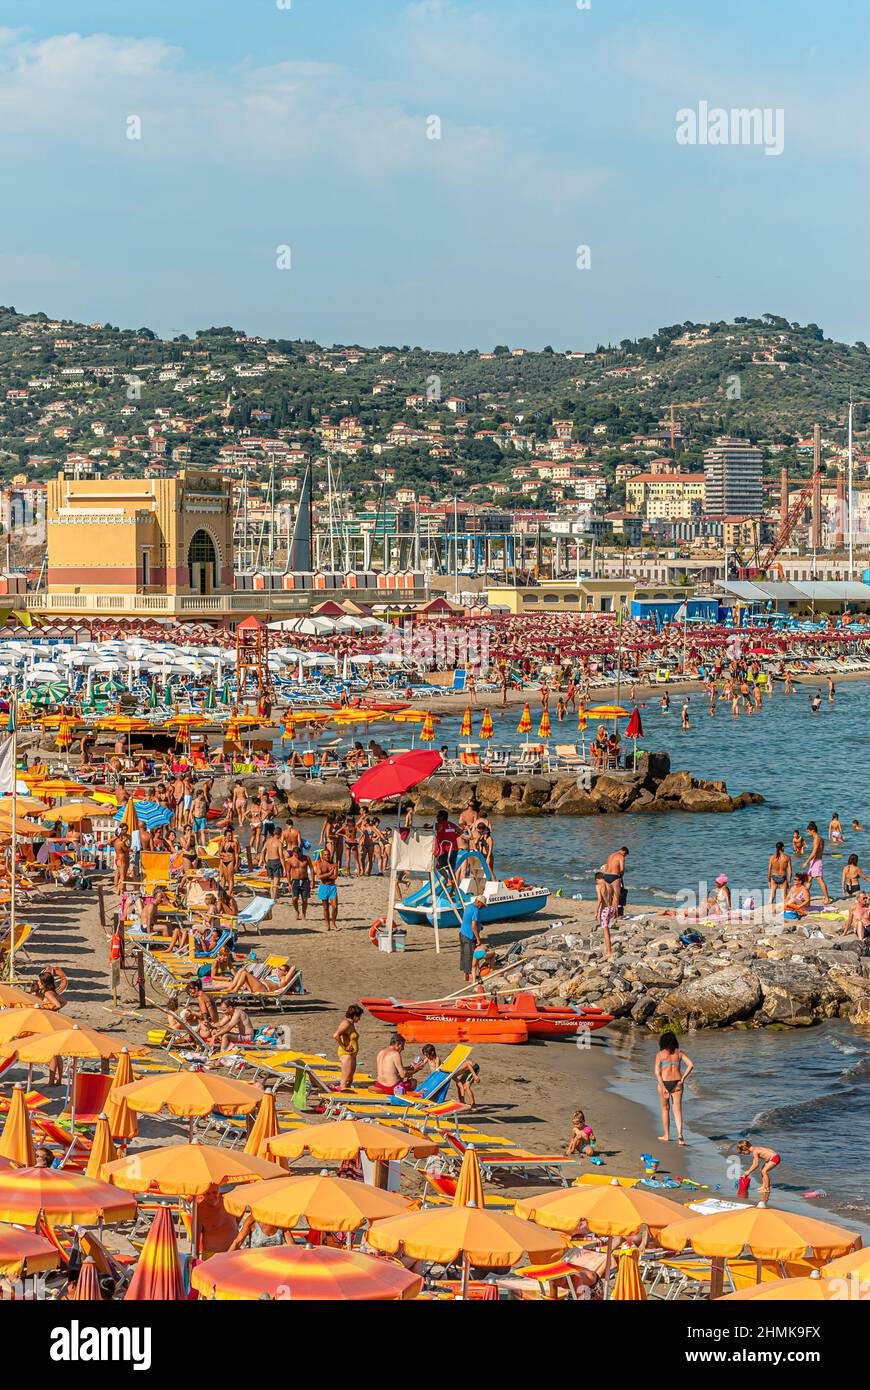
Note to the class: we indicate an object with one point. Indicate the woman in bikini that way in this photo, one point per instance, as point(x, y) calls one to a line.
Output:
point(671, 1069)
point(852, 877)
point(351, 840)
point(779, 871)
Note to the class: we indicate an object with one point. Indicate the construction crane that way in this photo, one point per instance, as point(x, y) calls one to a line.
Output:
point(786, 529)
point(682, 405)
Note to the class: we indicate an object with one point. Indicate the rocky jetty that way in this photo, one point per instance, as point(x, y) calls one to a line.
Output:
point(650, 789)
point(745, 974)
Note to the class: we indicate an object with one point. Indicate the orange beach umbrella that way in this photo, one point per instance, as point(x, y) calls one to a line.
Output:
point(123, 1123)
point(265, 1126)
point(815, 1289)
point(486, 726)
point(88, 1283)
point(302, 1274)
point(102, 1148)
point(24, 1252)
point(326, 1202)
point(465, 726)
point(186, 1170)
point(157, 1276)
point(763, 1232)
point(544, 729)
point(16, 1141)
point(469, 1186)
point(338, 1140)
point(479, 1237)
point(62, 1198)
point(190, 1093)
point(610, 1210)
point(525, 724)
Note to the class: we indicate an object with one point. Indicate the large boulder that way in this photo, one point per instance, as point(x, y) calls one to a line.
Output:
point(714, 1000)
point(576, 803)
point(705, 799)
point(489, 789)
point(453, 793)
point(536, 791)
point(653, 768)
point(674, 786)
point(615, 792)
point(317, 797)
point(747, 799)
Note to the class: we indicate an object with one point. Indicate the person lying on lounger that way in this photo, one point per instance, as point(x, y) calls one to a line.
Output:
point(243, 982)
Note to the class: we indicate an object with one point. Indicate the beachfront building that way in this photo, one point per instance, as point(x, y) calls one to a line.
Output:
point(665, 496)
point(732, 479)
point(584, 595)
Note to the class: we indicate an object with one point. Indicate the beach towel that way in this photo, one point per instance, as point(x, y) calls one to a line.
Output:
point(300, 1089)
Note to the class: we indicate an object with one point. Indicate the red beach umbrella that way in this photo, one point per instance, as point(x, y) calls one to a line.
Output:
point(634, 728)
point(396, 775)
point(157, 1276)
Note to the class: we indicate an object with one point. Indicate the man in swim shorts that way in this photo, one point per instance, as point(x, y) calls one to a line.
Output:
point(814, 860)
point(391, 1075)
point(273, 860)
point(300, 876)
point(326, 870)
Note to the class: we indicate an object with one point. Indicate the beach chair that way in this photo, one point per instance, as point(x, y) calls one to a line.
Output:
point(91, 1090)
point(555, 1167)
point(23, 932)
point(155, 870)
point(257, 911)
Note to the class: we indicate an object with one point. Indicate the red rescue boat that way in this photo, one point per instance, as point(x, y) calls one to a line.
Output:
point(540, 1021)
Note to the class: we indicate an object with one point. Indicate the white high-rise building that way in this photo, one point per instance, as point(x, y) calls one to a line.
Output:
point(732, 479)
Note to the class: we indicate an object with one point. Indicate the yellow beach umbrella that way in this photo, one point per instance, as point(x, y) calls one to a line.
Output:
point(186, 1170)
point(525, 724)
point(326, 1202)
point(27, 1022)
point(64, 734)
point(16, 1141)
point(465, 726)
point(338, 1140)
point(25, 805)
point(608, 712)
point(427, 733)
point(12, 998)
point(815, 1289)
point(469, 1187)
point(628, 1286)
point(76, 1043)
point(191, 1093)
point(544, 729)
point(22, 826)
point(130, 818)
point(61, 1197)
point(477, 1236)
point(486, 727)
point(71, 812)
point(856, 1262)
point(123, 1123)
point(288, 733)
point(612, 1210)
point(765, 1233)
point(581, 718)
point(265, 1126)
point(102, 1148)
point(55, 788)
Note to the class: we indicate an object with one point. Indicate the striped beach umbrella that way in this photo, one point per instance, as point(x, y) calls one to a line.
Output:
point(123, 1122)
point(64, 735)
point(301, 1274)
point(525, 724)
point(544, 730)
point(157, 1276)
point(427, 732)
point(24, 1252)
point(16, 1141)
point(62, 1198)
point(288, 733)
point(486, 727)
point(465, 729)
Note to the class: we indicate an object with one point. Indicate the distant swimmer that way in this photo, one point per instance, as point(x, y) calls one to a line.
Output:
point(830, 688)
point(665, 703)
point(685, 716)
point(816, 702)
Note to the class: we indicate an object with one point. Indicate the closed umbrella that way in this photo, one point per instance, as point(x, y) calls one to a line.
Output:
point(301, 1274)
point(427, 733)
point(102, 1148)
point(525, 724)
point(465, 726)
point(265, 1125)
point(486, 726)
point(123, 1122)
point(544, 728)
point(157, 1276)
point(469, 1187)
point(16, 1141)
point(628, 1285)
point(88, 1283)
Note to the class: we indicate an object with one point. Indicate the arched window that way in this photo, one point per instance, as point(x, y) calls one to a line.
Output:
point(202, 563)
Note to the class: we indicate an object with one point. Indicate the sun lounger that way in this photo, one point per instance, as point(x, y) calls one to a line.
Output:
point(91, 1090)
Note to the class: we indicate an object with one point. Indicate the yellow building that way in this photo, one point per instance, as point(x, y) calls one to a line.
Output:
point(140, 536)
point(665, 496)
point(583, 596)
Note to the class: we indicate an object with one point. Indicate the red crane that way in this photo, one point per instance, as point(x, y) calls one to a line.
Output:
point(786, 528)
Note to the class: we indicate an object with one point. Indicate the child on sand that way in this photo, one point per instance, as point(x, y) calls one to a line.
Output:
point(766, 1158)
point(582, 1138)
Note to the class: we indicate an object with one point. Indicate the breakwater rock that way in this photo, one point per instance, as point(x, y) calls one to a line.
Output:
point(650, 789)
point(745, 974)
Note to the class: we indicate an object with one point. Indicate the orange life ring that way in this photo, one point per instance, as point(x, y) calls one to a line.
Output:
point(516, 882)
point(375, 928)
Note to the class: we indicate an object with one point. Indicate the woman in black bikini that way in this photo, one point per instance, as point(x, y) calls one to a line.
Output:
point(852, 877)
point(671, 1069)
point(779, 871)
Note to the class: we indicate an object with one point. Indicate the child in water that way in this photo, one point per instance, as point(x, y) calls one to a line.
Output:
point(767, 1159)
point(582, 1138)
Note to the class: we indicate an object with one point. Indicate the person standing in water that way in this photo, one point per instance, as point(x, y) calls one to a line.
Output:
point(814, 861)
point(779, 871)
point(672, 1066)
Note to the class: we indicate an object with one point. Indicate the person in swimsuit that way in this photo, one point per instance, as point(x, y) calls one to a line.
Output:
point(300, 879)
point(835, 830)
point(272, 858)
point(326, 870)
point(671, 1069)
point(798, 843)
point(391, 1075)
point(767, 1159)
point(228, 858)
point(852, 876)
point(346, 1036)
point(779, 872)
point(798, 898)
point(859, 916)
point(814, 861)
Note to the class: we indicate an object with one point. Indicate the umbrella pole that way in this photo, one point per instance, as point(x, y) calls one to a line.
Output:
point(717, 1277)
point(72, 1107)
point(607, 1267)
point(464, 1289)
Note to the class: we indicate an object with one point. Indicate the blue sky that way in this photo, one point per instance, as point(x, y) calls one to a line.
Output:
point(306, 127)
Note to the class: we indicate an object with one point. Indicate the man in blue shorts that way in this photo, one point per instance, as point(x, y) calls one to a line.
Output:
point(326, 870)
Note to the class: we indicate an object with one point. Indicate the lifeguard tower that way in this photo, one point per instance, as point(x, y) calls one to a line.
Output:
point(252, 661)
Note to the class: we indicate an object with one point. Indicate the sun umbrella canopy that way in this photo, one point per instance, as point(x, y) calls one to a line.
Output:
point(23, 1252)
point(13, 998)
point(326, 1202)
point(25, 1022)
point(608, 712)
point(634, 727)
point(396, 775)
point(78, 1041)
point(856, 1262)
point(763, 1232)
point(157, 1276)
point(63, 1197)
point(811, 1290)
point(186, 1170)
point(343, 1139)
point(151, 814)
point(303, 1275)
point(446, 1234)
point(610, 1210)
point(190, 1093)
point(74, 811)
point(54, 788)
